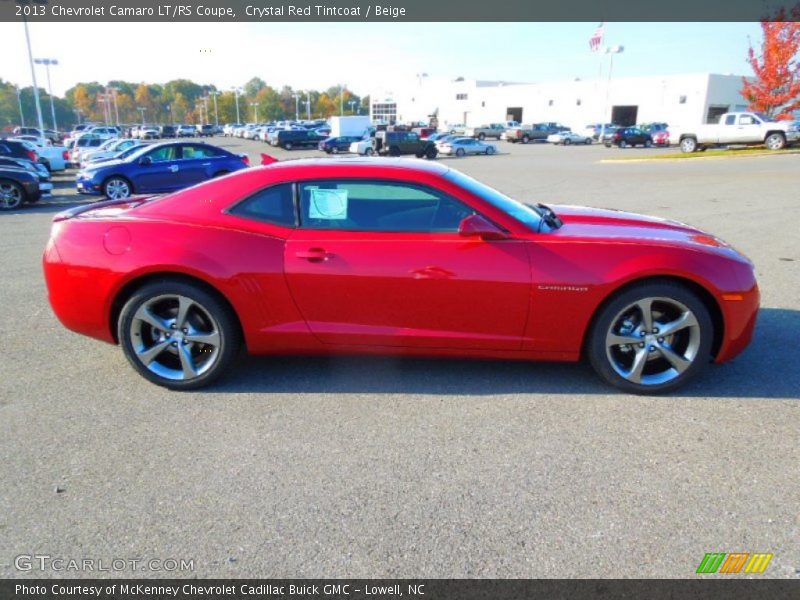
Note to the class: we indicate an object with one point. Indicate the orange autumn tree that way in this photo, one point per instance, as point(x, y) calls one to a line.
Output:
point(775, 89)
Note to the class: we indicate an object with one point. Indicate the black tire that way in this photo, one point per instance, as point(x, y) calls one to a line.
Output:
point(369, 152)
point(287, 145)
point(623, 144)
point(567, 142)
point(648, 143)
point(525, 139)
point(490, 150)
point(588, 141)
point(12, 195)
point(460, 152)
point(431, 153)
point(612, 313)
point(226, 326)
point(482, 136)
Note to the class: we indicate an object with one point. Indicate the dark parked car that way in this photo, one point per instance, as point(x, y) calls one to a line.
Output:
point(628, 136)
point(334, 145)
point(17, 150)
point(167, 131)
point(296, 138)
point(157, 168)
point(397, 143)
point(17, 186)
point(205, 130)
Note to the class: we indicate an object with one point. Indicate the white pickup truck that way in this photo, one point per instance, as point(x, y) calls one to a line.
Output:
point(739, 129)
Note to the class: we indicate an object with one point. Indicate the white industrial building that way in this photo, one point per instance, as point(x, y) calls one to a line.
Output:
point(681, 100)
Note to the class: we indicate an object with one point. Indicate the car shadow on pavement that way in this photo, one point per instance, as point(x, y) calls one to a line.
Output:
point(767, 369)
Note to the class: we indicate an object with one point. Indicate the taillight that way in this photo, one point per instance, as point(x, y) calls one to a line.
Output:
point(617, 136)
point(31, 155)
point(245, 159)
point(65, 155)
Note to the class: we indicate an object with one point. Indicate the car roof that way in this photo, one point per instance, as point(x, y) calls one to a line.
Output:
point(409, 164)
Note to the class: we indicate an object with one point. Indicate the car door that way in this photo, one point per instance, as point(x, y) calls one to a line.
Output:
point(158, 172)
point(748, 129)
point(381, 263)
point(197, 162)
point(727, 130)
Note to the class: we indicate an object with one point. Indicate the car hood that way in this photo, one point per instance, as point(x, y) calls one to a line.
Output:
point(613, 225)
point(103, 163)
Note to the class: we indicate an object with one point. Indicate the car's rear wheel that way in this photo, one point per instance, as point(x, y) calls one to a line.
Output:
point(431, 153)
point(116, 188)
point(482, 137)
point(460, 152)
point(369, 152)
point(178, 335)
point(525, 139)
point(567, 141)
point(651, 338)
point(587, 141)
point(688, 144)
point(11, 195)
point(490, 150)
point(623, 144)
point(648, 143)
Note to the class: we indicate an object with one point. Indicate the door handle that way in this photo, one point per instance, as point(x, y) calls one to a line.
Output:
point(206, 164)
point(174, 168)
point(314, 254)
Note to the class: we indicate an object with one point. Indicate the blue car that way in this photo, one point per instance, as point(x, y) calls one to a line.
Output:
point(158, 168)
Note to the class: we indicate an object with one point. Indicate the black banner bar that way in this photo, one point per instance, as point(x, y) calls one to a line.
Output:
point(392, 10)
point(393, 589)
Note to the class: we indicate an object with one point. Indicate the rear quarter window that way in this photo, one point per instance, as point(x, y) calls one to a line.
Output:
point(274, 204)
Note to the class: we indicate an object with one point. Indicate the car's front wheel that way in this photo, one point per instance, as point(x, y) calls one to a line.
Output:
point(178, 335)
point(651, 338)
point(11, 195)
point(116, 188)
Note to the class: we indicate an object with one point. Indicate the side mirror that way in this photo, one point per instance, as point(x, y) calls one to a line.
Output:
point(477, 226)
point(145, 160)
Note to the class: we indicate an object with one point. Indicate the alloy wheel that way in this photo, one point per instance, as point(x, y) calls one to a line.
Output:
point(117, 188)
point(653, 341)
point(175, 337)
point(10, 196)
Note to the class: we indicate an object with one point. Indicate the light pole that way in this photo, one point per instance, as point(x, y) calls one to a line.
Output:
point(19, 101)
point(352, 103)
point(114, 91)
point(33, 76)
point(236, 91)
point(611, 51)
point(171, 117)
point(142, 110)
point(78, 113)
point(47, 62)
point(296, 97)
point(341, 99)
point(255, 111)
point(215, 93)
point(205, 109)
point(308, 105)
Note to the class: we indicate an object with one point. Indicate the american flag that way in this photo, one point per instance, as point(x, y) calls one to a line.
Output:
point(597, 39)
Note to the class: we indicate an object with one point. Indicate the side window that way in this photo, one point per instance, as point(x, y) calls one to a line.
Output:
point(190, 152)
point(379, 206)
point(746, 120)
point(163, 153)
point(274, 205)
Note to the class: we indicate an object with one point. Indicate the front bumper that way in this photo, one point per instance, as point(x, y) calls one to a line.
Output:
point(739, 312)
point(88, 186)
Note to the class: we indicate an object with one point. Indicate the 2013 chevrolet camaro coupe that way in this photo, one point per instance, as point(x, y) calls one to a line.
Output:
point(393, 257)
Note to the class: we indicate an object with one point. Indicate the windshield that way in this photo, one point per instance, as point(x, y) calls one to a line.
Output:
point(523, 213)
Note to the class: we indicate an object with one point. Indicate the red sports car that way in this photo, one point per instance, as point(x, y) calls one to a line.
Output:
point(393, 257)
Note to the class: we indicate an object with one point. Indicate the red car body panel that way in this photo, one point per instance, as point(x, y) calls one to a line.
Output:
point(531, 296)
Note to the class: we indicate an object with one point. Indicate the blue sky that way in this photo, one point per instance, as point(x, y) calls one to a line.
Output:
point(367, 56)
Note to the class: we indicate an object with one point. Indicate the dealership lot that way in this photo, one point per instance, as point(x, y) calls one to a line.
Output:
point(384, 467)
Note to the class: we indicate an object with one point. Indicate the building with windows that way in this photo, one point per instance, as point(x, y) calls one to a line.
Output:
point(680, 100)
